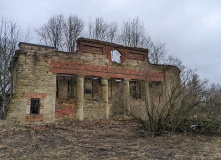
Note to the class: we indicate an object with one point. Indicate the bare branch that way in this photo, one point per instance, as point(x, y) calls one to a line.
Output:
point(52, 33)
point(10, 35)
point(73, 28)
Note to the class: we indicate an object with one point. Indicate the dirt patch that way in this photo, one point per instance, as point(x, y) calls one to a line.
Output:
point(100, 140)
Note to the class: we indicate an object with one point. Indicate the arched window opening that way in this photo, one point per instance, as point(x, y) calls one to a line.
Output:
point(116, 56)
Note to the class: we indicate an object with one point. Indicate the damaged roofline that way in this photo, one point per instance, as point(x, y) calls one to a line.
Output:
point(81, 39)
point(37, 45)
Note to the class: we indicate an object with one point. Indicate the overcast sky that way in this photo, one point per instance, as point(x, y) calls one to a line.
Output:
point(191, 29)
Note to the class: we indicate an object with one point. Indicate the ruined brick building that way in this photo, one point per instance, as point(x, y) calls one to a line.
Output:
point(97, 81)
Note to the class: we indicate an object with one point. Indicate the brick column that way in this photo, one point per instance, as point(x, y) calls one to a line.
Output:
point(104, 84)
point(126, 95)
point(80, 97)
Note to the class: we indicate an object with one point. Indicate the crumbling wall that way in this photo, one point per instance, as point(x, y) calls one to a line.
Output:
point(94, 109)
point(33, 80)
point(42, 73)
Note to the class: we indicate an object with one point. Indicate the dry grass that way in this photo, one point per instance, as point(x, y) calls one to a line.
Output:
point(100, 140)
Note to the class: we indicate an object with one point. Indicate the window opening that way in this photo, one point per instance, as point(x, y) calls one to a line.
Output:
point(114, 87)
point(136, 89)
point(35, 106)
point(92, 88)
point(116, 56)
point(66, 86)
point(88, 88)
point(71, 87)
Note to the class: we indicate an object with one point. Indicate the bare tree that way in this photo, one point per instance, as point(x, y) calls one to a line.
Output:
point(157, 53)
point(133, 34)
point(27, 36)
point(98, 29)
point(112, 32)
point(52, 32)
point(172, 60)
point(72, 30)
point(90, 33)
point(10, 35)
point(102, 30)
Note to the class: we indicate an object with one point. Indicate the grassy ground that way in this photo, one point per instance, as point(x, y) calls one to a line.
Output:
point(100, 140)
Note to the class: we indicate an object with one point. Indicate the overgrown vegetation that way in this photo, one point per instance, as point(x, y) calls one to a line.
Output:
point(192, 107)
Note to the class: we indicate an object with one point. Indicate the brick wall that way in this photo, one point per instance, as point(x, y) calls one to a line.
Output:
point(63, 67)
point(65, 108)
